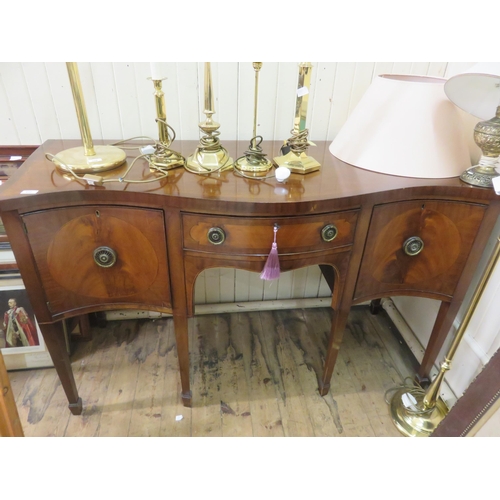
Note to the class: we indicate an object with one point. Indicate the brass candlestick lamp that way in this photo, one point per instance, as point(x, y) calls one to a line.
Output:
point(89, 158)
point(209, 156)
point(163, 158)
point(254, 163)
point(295, 148)
point(417, 413)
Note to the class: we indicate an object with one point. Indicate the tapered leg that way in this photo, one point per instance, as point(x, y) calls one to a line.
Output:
point(436, 341)
point(181, 339)
point(339, 322)
point(53, 335)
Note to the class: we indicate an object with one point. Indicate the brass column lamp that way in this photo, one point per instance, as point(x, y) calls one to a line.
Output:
point(163, 158)
point(417, 413)
point(254, 163)
point(210, 156)
point(89, 158)
point(295, 148)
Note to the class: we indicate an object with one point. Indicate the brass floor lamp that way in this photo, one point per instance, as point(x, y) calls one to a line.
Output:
point(87, 158)
point(415, 412)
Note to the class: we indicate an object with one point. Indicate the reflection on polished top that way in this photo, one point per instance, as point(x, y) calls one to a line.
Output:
point(335, 180)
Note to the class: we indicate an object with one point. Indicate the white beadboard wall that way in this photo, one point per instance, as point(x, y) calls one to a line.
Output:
point(36, 105)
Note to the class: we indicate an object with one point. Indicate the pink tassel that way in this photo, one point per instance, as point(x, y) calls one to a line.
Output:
point(271, 270)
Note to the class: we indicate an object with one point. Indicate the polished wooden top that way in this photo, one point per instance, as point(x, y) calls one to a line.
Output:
point(37, 182)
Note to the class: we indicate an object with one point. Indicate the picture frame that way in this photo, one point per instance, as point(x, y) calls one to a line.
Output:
point(21, 341)
point(11, 158)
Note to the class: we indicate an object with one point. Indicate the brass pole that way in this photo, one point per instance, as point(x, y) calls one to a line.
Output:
point(433, 390)
point(161, 112)
point(426, 410)
point(209, 95)
point(304, 82)
point(87, 159)
point(81, 111)
point(294, 151)
point(210, 156)
point(257, 67)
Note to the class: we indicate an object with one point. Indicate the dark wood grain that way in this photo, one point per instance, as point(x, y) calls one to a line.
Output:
point(63, 244)
point(160, 231)
point(254, 236)
point(448, 230)
point(10, 424)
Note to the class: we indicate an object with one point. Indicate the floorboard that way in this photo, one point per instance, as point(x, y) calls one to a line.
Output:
point(252, 374)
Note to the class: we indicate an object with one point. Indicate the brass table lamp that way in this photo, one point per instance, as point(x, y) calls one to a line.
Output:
point(163, 158)
point(210, 156)
point(254, 163)
point(295, 148)
point(417, 413)
point(88, 159)
point(478, 93)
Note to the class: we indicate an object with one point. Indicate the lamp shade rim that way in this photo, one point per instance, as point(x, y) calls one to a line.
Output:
point(392, 173)
point(475, 93)
point(413, 78)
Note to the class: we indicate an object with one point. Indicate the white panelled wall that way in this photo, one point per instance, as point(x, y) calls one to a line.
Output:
point(36, 105)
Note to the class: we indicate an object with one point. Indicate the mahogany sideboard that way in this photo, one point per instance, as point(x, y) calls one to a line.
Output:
point(373, 235)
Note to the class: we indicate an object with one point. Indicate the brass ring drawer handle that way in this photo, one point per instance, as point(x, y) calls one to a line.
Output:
point(216, 235)
point(104, 256)
point(413, 246)
point(329, 232)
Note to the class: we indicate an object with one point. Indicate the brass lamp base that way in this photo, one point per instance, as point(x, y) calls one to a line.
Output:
point(298, 164)
point(414, 420)
point(480, 176)
point(167, 160)
point(203, 161)
point(249, 167)
point(75, 160)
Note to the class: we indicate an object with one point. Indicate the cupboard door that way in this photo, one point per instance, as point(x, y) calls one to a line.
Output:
point(417, 248)
point(96, 255)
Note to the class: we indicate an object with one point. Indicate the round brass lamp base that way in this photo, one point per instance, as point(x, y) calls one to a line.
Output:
point(415, 420)
point(480, 176)
point(75, 160)
point(248, 167)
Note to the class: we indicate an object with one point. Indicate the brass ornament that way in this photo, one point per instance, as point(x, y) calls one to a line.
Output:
point(329, 232)
point(216, 235)
point(413, 246)
point(105, 256)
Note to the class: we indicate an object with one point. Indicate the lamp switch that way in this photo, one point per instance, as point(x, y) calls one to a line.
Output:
point(147, 150)
point(93, 180)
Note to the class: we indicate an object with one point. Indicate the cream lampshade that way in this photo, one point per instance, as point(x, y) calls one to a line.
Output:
point(477, 91)
point(404, 125)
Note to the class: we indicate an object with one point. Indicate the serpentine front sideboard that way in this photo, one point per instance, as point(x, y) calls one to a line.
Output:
point(83, 248)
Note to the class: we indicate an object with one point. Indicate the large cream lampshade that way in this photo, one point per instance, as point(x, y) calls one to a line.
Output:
point(405, 125)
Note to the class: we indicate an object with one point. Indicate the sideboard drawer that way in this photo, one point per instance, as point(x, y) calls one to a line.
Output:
point(417, 248)
point(92, 255)
point(254, 236)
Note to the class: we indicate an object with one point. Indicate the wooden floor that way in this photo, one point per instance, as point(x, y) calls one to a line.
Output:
point(252, 373)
